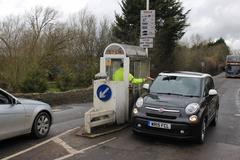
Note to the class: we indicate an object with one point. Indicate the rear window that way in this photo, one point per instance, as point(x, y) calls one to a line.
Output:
point(176, 85)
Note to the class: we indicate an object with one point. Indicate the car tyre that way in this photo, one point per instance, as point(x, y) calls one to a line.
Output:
point(214, 121)
point(201, 133)
point(41, 125)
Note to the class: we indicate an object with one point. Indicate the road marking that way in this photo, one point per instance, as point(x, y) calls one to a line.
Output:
point(85, 149)
point(65, 145)
point(56, 110)
point(237, 100)
point(42, 143)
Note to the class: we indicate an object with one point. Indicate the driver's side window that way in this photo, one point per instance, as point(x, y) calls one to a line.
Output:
point(4, 99)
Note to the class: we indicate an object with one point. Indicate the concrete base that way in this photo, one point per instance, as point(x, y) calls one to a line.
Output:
point(101, 131)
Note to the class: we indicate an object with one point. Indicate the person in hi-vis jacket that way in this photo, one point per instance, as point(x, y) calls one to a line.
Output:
point(118, 76)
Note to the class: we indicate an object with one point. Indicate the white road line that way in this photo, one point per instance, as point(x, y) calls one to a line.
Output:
point(42, 143)
point(237, 100)
point(65, 145)
point(56, 110)
point(85, 149)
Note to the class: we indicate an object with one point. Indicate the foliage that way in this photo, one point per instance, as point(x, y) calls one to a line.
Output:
point(52, 87)
point(212, 54)
point(65, 80)
point(38, 38)
point(68, 51)
point(170, 25)
point(127, 26)
point(35, 81)
point(85, 77)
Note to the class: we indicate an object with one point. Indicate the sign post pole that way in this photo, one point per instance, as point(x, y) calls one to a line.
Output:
point(147, 28)
point(147, 8)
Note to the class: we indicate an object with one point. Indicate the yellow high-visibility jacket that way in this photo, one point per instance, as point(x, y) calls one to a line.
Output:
point(118, 76)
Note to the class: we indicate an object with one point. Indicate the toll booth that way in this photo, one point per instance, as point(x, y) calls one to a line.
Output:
point(113, 100)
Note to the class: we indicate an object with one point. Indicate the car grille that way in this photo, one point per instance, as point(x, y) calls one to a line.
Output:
point(161, 116)
point(166, 114)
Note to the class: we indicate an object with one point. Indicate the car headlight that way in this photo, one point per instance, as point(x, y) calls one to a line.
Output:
point(139, 102)
point(192, 108)
point(193, 118)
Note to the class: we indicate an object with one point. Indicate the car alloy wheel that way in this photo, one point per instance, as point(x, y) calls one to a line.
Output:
point(202, 133)
point(41, 125)
point(214, 122)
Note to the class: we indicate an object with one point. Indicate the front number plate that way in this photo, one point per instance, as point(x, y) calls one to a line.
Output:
point(159, 125)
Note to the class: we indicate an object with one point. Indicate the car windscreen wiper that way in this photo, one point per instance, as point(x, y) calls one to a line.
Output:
point(171, 94)
point(177, 94)
point(190, 96)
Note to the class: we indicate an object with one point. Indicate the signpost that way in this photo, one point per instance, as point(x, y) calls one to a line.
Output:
point(147, 23)
point(146, 42)
point(147, 27)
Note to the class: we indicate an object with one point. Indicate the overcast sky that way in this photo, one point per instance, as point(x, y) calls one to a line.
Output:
point(208, 18)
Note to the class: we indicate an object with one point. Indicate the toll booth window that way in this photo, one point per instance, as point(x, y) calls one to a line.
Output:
point(140, 69)
point(137, 70)
point(131, 69)
point(144, 69)
point(112, 67)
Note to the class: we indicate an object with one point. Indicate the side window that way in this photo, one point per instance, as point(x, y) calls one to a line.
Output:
point(211, 83)
point(4, 99)
point(206, 87)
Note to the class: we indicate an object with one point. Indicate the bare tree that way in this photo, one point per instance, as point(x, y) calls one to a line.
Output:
point(104, 36)
point(11, 34)
point(39, 20)
point(196, 40)
point(37, 39)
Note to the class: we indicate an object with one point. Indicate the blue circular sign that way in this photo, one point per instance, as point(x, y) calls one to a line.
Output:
point(104, 92)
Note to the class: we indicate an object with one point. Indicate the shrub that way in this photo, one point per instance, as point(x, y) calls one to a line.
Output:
point(3, 85)
point(211, 66)
point(85, 77)
point(35, 81)
point(65, 80)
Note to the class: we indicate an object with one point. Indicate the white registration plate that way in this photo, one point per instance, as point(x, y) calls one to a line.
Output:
point(159, 125)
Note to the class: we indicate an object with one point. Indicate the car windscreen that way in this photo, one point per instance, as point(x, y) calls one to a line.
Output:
point(177, 85)
point(233, 68)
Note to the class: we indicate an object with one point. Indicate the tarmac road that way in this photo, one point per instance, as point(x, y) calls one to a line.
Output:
point(222, 141)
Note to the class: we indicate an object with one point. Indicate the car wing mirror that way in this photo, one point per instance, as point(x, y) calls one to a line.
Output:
point(14, 101)
point(212, 92)
point(146, 86)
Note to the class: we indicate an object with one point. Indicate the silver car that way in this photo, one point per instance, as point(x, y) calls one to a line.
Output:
point(22, 116)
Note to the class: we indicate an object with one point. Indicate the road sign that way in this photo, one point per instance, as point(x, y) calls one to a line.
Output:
point(104, 92)
point(147, 23)
point(146, 42)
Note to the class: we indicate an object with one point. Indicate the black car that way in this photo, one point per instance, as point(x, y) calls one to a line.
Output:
point(181, 105)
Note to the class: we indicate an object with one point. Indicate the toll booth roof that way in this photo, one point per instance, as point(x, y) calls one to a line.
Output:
point(130, 50)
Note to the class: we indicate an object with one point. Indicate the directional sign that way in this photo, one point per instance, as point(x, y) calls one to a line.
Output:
point(104, 92)
point(146, 42)
point(148, 23)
